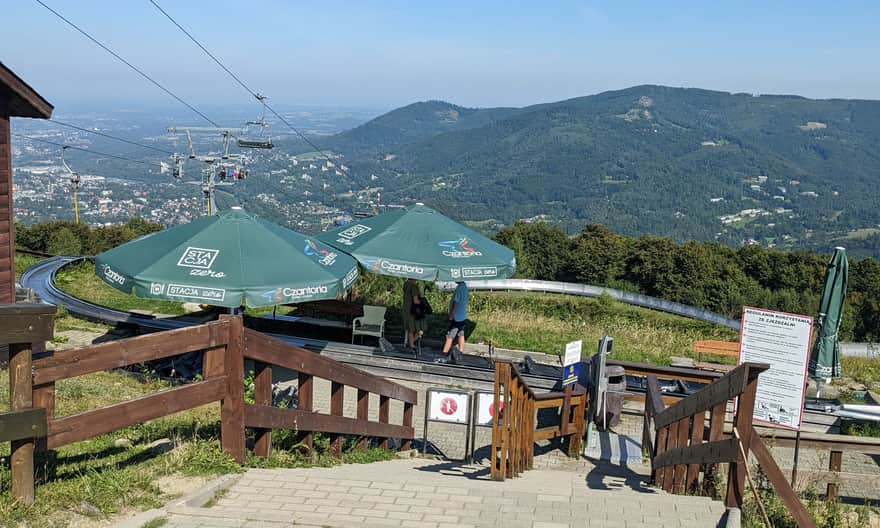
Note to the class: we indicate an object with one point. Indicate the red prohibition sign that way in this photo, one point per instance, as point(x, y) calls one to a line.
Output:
point(492, 408)
point(448, 406)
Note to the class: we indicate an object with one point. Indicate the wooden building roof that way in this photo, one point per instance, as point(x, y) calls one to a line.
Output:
point(20, 100)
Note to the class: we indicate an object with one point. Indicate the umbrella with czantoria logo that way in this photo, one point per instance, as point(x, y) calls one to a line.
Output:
point(420, 243)
point(230, 259)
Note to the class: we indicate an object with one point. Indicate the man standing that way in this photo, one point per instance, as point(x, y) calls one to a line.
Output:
point(457, 318)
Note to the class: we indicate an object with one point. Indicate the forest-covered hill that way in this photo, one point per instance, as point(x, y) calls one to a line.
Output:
point(688, 163)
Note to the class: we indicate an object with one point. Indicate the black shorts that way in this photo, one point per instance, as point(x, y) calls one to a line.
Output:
point(456, 328)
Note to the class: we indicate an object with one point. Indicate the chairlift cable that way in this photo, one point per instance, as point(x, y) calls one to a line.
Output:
point(130, 65)
point(62, 123)
point(90, 151)
point(245, 86)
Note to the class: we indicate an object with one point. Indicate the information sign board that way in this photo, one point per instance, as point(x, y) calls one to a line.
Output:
point(448, 406)
point(781, 340)
point(571, 362)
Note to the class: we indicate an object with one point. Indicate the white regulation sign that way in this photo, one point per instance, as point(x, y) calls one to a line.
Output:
point(486, 407)
point(781, 340)
point(448, 406)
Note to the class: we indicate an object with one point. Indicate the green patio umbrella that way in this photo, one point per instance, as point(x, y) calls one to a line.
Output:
point(420, 243)
point(229, 259)
point(825, 356)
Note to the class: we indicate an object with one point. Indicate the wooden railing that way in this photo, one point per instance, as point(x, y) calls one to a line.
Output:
point(679, 453)
point(225, 345)
point(514, 431)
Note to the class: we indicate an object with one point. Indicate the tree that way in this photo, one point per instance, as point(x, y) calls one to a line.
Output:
point(64, 242)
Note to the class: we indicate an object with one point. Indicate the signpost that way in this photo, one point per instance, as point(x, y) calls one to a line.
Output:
point(450, 406)
point(486, 408)
point(570, 363)
point(781, 340)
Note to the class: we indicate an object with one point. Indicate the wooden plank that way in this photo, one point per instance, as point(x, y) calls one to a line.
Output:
point(668, 469)
point(24, 323)
point(822, 441)
point(656, 396)
point(696, 438)
point(232, 428)
point(834, 463)
point(299, 420)
point(736, 475)
point(716, 432)
point(384, 408)
point(22, 424)
point(659, 448)
point(270, 350)
point(686, 374)
point(719, 391)
point(44, 397)
point(407, 422)
point(21, 398)
point(305, 397)
point(780, 483)
point(363, 413)
point(681, 468)
point(494, 472)
point(721, 451)
point(720, 348)
point(262, 396)
point(80, 426)
point(116, 354)
point(337, 393)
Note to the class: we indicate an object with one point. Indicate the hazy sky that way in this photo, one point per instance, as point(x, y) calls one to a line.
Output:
point(490, 53)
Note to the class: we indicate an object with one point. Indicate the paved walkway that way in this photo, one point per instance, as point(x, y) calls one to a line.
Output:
point(423, 493)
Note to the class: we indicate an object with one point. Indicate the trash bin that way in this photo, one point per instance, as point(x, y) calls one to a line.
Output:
point(609, 416)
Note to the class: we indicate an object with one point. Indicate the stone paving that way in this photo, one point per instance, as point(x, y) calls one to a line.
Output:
point(427, 493)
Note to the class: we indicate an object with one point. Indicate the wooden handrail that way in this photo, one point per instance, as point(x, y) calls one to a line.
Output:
point(74, 362)
point(514, 430)
point(266, 349)
point(732, 384)
point(680, 450)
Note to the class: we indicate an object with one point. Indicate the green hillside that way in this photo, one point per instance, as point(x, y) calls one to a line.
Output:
point(648, 159)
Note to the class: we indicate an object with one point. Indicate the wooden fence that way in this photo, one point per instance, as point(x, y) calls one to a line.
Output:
point(225, 345)
point(679, 453)
point(514, 431)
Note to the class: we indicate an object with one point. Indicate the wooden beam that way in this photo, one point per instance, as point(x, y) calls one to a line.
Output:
point(262, 396)
point(26, 323)
point(23, 424)
point(80, 426)
point(780, 483)
point(21, 398)
point(116, 354)
point(722, 390)
point(21, 99)
point(299, 420)
point(232, 428)
point(721, 451)
point(835, 461)
point(270, 350)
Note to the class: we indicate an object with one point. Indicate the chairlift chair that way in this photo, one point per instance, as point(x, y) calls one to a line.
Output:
point(264, 139)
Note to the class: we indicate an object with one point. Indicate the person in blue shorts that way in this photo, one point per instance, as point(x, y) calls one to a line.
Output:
point(457, 318)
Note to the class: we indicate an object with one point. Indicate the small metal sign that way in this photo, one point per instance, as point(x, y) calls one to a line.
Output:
point(486, 408)
point(446, 405)
point(570, 363)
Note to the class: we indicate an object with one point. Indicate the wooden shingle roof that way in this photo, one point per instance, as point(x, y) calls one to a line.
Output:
point(20, 100)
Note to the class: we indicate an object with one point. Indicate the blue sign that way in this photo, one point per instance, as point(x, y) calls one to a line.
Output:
point(570, 374)
point(570, 362)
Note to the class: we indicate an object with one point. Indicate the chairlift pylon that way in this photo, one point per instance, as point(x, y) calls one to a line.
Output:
point(264, 139)
point(74, 180)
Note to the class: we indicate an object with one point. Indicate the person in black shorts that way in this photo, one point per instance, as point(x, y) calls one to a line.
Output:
point(457, 319)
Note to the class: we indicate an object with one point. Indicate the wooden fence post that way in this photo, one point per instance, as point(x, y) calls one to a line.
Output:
point(363, 413)
point(337, 395)
point(305, 398)
point(384, 408)
point(696, 438)
point(407, 422)
point(743, 422)
point(24, 327)
point(716, 432)
point(834, 464)
point(262, 396)
point(232, 406)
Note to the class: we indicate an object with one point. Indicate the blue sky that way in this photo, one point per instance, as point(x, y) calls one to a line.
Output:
point(492, 53)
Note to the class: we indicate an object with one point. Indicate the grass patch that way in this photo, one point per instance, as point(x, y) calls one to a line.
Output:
point(158, 522)
point(23, 261)
point(80, 280)
point(545, 322)
point(863, 370)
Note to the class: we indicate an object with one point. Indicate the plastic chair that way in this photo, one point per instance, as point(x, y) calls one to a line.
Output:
point(372, 323)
